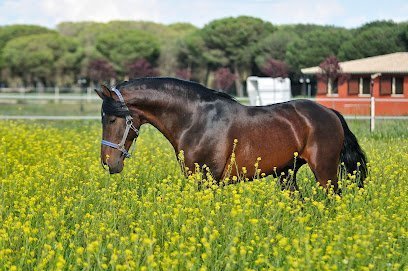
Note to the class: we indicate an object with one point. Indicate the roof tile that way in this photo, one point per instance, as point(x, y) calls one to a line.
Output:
point(390, 63)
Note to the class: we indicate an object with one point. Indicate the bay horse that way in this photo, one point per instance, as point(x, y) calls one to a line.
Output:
point(204, 124)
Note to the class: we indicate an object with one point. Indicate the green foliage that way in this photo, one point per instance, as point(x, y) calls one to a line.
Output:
point(90, 31)
point(243, 44)
point(182, 28)
point(48, 58)
point(87, 34)
point(404, 34)
point(168, 60)
point(376, 38)
point(193, 55)
point(274, 46)
point(8, 33)
point(315, 46)
point(235, 37)
point(302, 30)
point(376, 24)
point(122, 46)
point(192, 51)
point(234, 40)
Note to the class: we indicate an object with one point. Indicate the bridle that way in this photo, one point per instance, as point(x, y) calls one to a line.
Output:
point(129, 126)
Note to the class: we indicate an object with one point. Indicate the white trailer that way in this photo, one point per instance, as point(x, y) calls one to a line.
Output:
point(266, 90)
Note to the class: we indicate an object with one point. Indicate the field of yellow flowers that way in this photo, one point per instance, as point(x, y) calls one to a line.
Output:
point(60, 211)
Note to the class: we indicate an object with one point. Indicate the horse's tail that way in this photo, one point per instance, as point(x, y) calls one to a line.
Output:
point(352, 155)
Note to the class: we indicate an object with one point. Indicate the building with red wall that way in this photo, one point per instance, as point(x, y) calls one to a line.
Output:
point(383, 77)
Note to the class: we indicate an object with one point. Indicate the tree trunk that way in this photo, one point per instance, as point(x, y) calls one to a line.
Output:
point(207, 75)
point(238, 85)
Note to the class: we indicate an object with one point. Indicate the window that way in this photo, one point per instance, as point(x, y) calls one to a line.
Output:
point(399, 85)
point(366, 86)
point(335, 87)
point(385, 86)
point(331, 88)
point(353, 86)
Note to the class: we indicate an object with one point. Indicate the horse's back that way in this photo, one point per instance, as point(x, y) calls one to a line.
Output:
point(313, 110)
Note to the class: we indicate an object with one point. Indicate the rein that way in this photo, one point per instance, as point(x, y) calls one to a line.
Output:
point(129, 126)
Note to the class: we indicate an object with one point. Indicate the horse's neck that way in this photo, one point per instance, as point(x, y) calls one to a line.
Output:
point(170, 115)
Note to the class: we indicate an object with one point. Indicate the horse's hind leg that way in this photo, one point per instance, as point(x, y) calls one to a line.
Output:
point(325, 168)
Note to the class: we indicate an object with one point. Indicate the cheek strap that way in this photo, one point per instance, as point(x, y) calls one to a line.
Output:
point(129, 126)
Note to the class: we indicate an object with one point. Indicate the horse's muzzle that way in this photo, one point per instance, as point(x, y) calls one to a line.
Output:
point(114, 167)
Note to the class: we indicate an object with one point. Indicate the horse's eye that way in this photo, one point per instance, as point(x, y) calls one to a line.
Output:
point(112, 120)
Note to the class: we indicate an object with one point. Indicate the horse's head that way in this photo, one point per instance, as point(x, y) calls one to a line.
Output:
point(119, 128)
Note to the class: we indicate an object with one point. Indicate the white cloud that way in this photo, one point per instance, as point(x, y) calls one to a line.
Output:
point(51, 12)
point(101, 11)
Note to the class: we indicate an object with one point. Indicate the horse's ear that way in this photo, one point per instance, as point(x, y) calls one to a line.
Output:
point(100, 94)
point(105, 90)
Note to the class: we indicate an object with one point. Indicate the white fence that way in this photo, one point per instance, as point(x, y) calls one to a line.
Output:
point(50, 117)
point(369, 103)
point(42, 90)
point(56, 94)
point(89, 96)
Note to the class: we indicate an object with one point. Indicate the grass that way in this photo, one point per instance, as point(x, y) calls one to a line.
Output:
point(35, 108)
point(60, 211)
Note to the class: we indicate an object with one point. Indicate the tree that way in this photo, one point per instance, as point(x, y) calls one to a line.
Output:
point(235, 39)
point(122, 46)
point(100, 70)
point(183, 74)
point(45, 58)
point(273, 46)
point(194, 55)
point(224, 79)
point(140, 68)
point(181, 28)
point(376, 38)
point(331, 72)
point(8, 33)
point(87, 34)
point(376, 24)
point(168, 60)
point(275, 68)
point(302, 30)
point(314, 47)
point(403, 34)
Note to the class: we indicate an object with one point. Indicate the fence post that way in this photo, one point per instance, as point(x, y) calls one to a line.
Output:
point(88, 94)
point(56, 96)
point(372, 114)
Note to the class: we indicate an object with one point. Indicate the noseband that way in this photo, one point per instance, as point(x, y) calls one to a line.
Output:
point(129, 125)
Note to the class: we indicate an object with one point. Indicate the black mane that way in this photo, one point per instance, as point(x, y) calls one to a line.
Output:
point(168, 83)
point(113, 107)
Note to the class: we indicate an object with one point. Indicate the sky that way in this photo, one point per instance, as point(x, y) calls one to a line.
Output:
point(345, 13)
